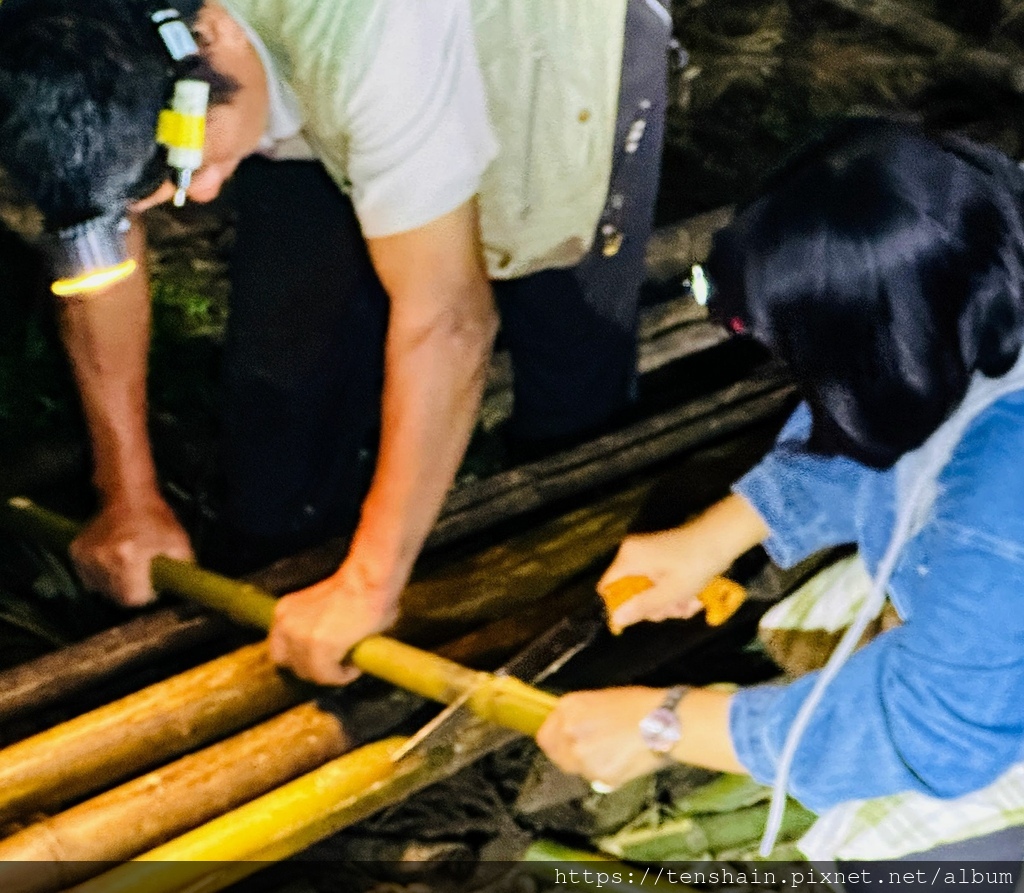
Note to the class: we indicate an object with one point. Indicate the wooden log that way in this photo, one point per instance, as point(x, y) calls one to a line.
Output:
point(62, 674)
point(144, 813)
point(612, 456)
point(143, 730)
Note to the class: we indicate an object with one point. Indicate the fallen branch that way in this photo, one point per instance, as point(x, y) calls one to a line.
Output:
point(62, 674)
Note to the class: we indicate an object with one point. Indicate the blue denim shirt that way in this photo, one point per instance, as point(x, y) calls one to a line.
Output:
point(936, 705)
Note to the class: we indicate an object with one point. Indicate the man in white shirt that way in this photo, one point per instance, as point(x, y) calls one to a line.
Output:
point(394, 159)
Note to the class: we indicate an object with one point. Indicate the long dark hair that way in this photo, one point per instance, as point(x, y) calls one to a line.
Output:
point(885, 267)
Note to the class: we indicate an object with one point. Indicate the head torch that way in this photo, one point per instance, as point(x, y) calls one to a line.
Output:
point(699, 285)
point(703, 291)
point(94, 254)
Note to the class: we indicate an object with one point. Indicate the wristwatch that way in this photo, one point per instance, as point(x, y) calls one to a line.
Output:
point(661, 729)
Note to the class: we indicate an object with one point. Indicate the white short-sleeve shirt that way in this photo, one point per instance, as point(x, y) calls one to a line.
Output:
point(419, 134)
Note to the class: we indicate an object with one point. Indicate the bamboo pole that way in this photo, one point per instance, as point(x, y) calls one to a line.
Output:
point(273, 827)
point(144, 813)
point(504, 700)
point(242, 602)
point(86, 839)
point(294, 817)
point(142, 730)
point(61, 674)
point(168, 719)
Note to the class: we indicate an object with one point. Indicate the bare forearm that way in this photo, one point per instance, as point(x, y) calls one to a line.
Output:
point(433, 382)
point(440, 330)
point(106, 336)
point(705, 742)
point(729, 528)
point(107, 340)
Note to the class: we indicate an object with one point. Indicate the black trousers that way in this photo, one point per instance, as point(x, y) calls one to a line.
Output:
point(303, 364)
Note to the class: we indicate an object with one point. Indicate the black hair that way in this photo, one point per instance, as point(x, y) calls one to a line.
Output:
point(81, 85)
point(886, 267)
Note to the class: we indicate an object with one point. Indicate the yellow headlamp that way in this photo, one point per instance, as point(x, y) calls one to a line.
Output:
point(182, 129)
point(94, 255)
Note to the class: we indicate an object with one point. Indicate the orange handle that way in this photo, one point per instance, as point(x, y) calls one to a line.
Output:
point(721, 598)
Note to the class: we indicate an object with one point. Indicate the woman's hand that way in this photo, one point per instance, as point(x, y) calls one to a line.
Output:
point(681, 562)
point(675, 581)
point(596, 734)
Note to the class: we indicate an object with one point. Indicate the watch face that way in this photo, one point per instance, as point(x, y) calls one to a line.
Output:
point(660, 730)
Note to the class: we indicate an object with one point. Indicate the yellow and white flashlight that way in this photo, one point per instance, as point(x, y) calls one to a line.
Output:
point(94, 254)
point(182, 129)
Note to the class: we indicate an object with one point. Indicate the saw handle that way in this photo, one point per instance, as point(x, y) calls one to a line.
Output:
point(721, 598)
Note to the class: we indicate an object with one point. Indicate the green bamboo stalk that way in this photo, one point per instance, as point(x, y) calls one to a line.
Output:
point(242, 602)
point(704, 836)
point(502, 700)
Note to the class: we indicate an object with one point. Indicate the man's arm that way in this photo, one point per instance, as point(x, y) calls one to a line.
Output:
point(440, 333)
point(106, 336)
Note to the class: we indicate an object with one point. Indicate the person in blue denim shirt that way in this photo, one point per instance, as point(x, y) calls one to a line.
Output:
point(886, 267)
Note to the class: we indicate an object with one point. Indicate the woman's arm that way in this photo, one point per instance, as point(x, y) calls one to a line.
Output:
point(596, 733)
point(681, 562)
point(806, 500)
point(934, 706)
